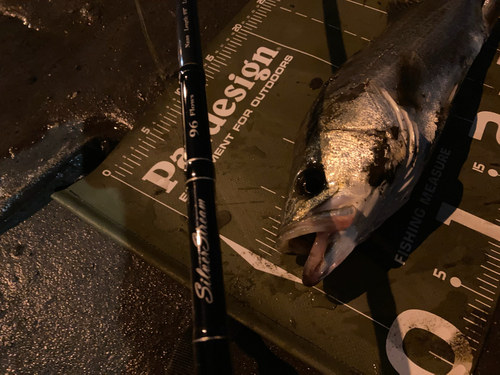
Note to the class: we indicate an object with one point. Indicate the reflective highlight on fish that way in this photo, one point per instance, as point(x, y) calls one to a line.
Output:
point(365, 141)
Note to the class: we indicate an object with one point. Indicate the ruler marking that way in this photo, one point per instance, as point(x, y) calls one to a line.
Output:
point(210, 67)
point(441, 358)
point(315, 20)
point(135, 156)
point(470, 321)
point(258, 17)
point(477, 308)
point(130, 160)
point(300, 14)
point(266, 7)
point(348, 32)
point(169, 119)
point(481, 302)
point(123, 169)
point(143, 193)
point(177, 106)
point(209, 76)
point(491, 277)
point(472, 290)
point(495, 272)
point(368, 40)
point(264, 251)
point(488, 86)
point(151, 139)
point(173, 116)
point(275, 227)
point(255, 19)
point(492, 257)
point(247, 25)
point(144, 148)
point(277, 221)
point(496, 252)
point(366, 6)
point(470, 338)
point(248, 30)
point(156, 130)
point(265, 244)
point(486, 282)
point(236, 44)
point(270, 239)
point(352, 308)
point(220, 62)
point(128, 165)
point(287, 140)
point(223, 54)
point(470, 329)
point(489, 291)
point(164, 123)
point(476, 316)
point(154, 135)
point(491, 243)
point(277, 208)
point(269, 190)
point(142, 152)
point(121, 174)
point(231, 49)
point(251, 23)
point(291, 48)
point(268, 231)
point(493, 264)
point(147, 144)
point(261, 13)
point(176, 111)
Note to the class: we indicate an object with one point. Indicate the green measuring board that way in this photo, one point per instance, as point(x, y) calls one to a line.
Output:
point(418, 297)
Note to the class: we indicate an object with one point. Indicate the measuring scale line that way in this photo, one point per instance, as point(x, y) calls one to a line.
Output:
point(277, 221)
point(269, 190)
point(291, 48)
point(130, 160)
point(268, 231)
point(483, 303)
point(477, 308)
point(471, 322)
point(266, 245)
point(441, 358)
point(489, 269)
point(491, 243)
point(491, 277)
point(457, 283)
point(366, 6)
point(486, 282)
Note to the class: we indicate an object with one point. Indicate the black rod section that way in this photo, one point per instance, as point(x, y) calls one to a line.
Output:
point(210, 337)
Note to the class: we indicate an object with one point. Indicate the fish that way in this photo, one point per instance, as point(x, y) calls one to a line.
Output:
point(365, 141)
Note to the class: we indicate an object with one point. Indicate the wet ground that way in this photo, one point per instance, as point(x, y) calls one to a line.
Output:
point(75, 76)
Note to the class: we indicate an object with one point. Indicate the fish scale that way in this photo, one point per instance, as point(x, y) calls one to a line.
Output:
point(443, 235)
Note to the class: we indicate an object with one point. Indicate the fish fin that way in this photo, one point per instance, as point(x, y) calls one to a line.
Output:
point(396, 8)
point(411, 72)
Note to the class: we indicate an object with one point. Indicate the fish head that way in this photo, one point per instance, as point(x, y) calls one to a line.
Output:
point(346, 156)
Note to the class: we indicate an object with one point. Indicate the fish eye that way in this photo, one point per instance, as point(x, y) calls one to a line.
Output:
point(310, 182)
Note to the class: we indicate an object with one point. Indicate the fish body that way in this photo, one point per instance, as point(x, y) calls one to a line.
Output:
point(365, 141)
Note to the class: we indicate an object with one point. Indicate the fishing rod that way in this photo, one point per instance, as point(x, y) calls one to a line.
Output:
point(210, 336)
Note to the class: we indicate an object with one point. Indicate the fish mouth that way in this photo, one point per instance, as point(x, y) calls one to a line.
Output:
point(327, 237)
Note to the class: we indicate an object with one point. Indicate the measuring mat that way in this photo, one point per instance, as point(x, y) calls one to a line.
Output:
point(417, 297)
